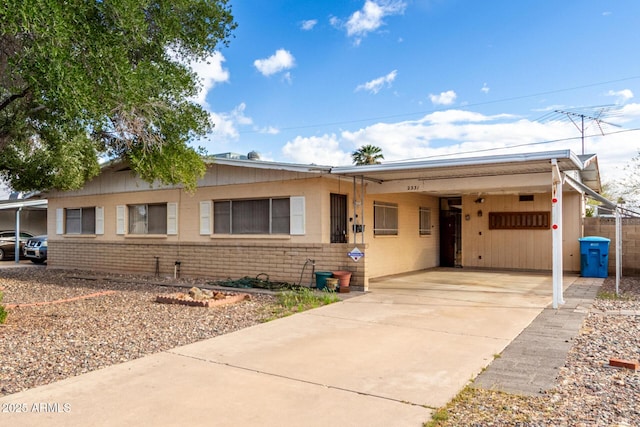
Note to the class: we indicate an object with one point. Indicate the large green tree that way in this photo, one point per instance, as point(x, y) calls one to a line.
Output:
point(84, 80)
point(367, 155)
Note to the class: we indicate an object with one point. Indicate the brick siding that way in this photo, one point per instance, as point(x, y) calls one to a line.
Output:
point(215, 260)
point(606, 227)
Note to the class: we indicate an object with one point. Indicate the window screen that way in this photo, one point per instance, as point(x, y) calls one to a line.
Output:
point(385, 218)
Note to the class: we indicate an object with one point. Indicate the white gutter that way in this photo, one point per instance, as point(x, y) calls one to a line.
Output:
point(470, 161)
point(259, 164)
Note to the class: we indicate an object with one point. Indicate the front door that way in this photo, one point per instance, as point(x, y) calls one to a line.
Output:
point(338, 221)
point(450, 232)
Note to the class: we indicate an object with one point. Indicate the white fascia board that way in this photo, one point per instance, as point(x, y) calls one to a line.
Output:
point(259, 164)
point(24, 204)
point(468, 161)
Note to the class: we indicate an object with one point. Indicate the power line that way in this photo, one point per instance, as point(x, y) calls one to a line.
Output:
point(435, 110)
point(529, 144)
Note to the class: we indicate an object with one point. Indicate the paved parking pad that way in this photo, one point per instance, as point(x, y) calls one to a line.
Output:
point(387, 357)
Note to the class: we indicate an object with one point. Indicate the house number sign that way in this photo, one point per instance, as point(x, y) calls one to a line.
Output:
point(355, 254)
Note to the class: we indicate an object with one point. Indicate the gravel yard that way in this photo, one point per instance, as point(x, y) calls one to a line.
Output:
point(40, 344)
point(588, 392)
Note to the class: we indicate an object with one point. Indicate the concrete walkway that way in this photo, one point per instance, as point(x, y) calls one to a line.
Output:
point(384, 358)
point(531, 363)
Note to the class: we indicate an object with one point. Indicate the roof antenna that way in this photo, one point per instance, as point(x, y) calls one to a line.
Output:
point(596, 117)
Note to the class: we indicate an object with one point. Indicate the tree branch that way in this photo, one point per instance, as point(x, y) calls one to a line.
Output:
point(12, 98)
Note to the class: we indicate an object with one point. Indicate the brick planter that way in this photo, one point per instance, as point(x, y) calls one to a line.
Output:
point(184, 299)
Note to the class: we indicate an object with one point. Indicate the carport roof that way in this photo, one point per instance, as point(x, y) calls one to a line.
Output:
point(470, 167)
point(16, 204)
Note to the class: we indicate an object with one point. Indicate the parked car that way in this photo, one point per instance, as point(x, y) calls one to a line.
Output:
point(8, 243)
point(36, 249)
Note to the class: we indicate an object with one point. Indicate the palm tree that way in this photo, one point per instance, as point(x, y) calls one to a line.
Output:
point(367, 155)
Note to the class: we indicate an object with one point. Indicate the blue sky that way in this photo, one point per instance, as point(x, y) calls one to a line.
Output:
point(311, 81)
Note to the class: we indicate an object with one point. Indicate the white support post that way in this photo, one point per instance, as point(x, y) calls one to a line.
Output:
point(17, 242)
point(556, 232)
point(618, 250)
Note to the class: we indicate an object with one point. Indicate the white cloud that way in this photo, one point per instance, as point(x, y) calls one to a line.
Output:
point(308, 24)
point(279, 61)
point(209, 71)
point(485, 88)
point(319, 150)
point(621, 95)
point(464, 133)
point(625, 114)
point(459, 116)
point(371, 17)
point(270, 130)
point(375, 85)
point(549, 108)
point(227, 123)
point(445, 98)
point(434, 136)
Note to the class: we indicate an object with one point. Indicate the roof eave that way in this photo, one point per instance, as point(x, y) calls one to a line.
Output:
point(470, 161)
point(260, 164)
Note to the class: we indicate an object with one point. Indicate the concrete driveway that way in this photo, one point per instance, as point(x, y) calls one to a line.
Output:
point(384, 358)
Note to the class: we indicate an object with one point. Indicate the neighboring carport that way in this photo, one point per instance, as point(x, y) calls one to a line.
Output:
point(553, 172)
point(19, 207)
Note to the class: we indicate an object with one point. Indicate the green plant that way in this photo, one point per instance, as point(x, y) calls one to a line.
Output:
point(3, 312)
point(608, 295)
point(295, 301)
point(439, 416)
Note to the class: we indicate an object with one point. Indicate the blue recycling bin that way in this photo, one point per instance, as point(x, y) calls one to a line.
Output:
point(594, 256)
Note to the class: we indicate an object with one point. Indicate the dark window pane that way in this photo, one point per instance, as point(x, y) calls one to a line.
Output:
point(88, 220)
point(222, 217)
point(157, 219)
point(280, 212)
point(250, 216)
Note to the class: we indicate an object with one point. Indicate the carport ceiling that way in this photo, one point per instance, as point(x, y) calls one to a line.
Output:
point(493, 166)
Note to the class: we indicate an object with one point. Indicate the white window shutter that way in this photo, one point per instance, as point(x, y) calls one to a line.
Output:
point(99, 220)
point(120, 209)
point(297, 215)
point(205, 217)
point(59, 221)
point(172, 218)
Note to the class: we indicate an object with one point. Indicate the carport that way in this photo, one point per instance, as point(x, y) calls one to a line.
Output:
point(552, 173)
point(19, 207)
